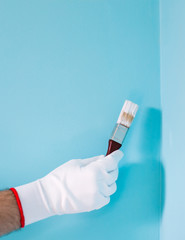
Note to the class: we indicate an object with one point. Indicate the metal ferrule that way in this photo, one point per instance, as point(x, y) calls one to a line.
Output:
point(119, 132)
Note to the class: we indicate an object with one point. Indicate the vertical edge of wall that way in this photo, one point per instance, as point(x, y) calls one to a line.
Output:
point(172, 60)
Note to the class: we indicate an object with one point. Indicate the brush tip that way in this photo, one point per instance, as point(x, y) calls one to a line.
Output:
point(130, 107)
point(128, 113)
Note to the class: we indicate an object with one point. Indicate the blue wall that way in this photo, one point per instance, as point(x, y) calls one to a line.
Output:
point(66, 68)
point(173, 99)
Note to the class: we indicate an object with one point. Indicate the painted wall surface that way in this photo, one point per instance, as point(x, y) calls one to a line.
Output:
point(66, 68)
point(173, 99)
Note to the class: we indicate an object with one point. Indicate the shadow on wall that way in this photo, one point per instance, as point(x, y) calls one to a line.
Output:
point(143, 191)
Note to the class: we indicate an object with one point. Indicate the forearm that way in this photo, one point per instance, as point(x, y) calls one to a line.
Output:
point(9, 212)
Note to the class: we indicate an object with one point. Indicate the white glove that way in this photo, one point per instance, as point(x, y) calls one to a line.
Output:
point(79, 185)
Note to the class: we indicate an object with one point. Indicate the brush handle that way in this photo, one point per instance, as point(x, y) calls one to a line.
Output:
point(113, 146)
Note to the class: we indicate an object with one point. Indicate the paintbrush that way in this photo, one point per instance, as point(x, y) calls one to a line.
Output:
point(122, 126)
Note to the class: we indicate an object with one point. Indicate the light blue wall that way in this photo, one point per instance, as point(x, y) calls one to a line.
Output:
point(66, 68)
point(173, 99)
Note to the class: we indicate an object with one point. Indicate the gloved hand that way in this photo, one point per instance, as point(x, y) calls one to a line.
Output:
point(79, 185)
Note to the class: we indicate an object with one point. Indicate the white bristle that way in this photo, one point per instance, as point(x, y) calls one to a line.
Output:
point(130, 107)
point(128, 113)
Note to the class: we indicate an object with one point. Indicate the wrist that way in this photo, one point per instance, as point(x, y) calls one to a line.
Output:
point(19, 206)
point(34, 204)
